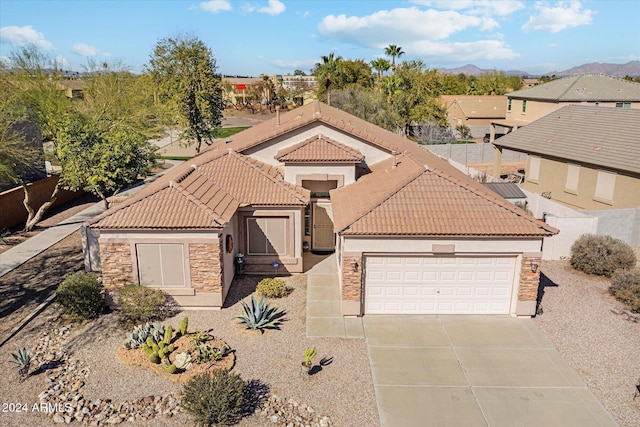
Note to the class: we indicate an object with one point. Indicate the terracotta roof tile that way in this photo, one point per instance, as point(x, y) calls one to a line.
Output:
point(203, 195)
point(319, 149)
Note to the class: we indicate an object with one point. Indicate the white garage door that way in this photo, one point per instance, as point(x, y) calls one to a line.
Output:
point(438, 285)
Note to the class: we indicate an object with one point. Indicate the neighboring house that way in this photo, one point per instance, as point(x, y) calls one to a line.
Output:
point(509, 190)
point(527, 83)
point(74, 89)
point(412, 234)
point(528, 105)
point(238, 90)
point(583, 157)
point(475, 112)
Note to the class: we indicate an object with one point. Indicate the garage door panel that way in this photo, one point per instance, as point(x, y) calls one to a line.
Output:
point(439, 285)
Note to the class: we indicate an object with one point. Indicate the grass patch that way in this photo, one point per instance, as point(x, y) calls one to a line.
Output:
point(227, 132)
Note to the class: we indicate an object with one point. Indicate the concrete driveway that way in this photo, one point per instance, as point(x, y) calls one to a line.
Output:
point(474, 371)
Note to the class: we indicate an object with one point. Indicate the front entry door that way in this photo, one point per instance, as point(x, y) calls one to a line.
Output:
point(323, 238)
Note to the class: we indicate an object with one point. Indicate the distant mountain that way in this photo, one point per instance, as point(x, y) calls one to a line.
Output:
point(472, 70)
point(631, 68)
point(617, 70)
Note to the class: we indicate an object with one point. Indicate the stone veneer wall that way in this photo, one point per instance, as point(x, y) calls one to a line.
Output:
point(205, 260)
point(351, 280)
point(529, 281)
point(117, 269)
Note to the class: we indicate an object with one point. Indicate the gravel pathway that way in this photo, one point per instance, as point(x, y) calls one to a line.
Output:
point(342, 390)
point(581, 319)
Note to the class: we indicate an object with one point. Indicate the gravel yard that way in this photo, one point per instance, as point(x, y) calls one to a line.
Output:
point(341, 390)
point(581, 319)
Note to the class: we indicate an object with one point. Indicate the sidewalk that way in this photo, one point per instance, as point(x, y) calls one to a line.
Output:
point(26, 250)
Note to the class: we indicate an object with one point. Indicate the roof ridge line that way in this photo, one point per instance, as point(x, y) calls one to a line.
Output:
point(191, 198)
point(252, 164)
point(412, 178)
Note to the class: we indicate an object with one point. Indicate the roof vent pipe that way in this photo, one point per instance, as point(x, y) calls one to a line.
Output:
point(171, 184)
point(194, 166)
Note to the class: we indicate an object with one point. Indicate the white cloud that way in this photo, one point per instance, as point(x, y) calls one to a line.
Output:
point(295, 64)
point(462, 51)
point(84, 49)
point(215, 6)
point(476, 7)
point(61, 62)
point(565, 14)
point(275, 7)
point(20, 36)
point(400, 25)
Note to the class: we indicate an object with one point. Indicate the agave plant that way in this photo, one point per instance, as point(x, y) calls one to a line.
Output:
point(23, 360)
point(259, 315)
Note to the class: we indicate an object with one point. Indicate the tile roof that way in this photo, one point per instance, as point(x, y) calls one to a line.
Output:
point(203, 195)
point(319, 149)
point(427, 203)
point(413, 193)
point(601, 136)
point(583, 88)
point(508, 190)
point(475, 107)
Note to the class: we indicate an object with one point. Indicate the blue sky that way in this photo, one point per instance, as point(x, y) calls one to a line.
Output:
point(278, 36)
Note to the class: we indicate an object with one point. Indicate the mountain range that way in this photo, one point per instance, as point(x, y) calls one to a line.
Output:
point(631, 68)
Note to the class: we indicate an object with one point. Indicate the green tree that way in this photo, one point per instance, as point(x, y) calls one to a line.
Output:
point(185, 74)
point(381, 66)
point(394, 52)
point(102, 160)
point(326, 73)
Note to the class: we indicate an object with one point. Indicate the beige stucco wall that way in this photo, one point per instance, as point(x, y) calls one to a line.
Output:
point(538, 109)
point(553, 177)
point(266, 152)
point(296, 173)
point(420, 245)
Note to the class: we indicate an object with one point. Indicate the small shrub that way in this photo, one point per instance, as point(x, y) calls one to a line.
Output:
point(601, 255)
point(272, 288)
point(140, 303)
point(215, 398)
point(80, 294)
point(625, 287)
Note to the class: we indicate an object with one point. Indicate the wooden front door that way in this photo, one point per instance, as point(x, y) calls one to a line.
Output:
point(323, 238)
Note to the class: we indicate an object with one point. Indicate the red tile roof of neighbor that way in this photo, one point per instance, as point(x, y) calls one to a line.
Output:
point(319, 149)
point(415, 193)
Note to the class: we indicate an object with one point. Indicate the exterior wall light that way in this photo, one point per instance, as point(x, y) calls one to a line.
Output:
point(534, 266)
point(354, 266)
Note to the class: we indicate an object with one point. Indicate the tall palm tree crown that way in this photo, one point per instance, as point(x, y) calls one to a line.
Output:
point(393, 51)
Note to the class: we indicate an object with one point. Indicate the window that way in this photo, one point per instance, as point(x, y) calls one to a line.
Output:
point(623, 105)
point(573, 176)
point(524, 105)
point(534, 168)
point(509, 105)
point(267, 236)
point(161, 264)
point(605, 185)
point(307, 220)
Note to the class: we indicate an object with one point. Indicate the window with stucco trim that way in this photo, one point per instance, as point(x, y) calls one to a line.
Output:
point(161, 264)
point(573, 177)
point(605, 185)
point(267, 235)
point(534, 168)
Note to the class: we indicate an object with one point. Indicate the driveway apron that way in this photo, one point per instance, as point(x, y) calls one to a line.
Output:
point(474, 371)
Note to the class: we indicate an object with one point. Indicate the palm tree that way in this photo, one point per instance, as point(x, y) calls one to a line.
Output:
point(326, 72)
point(393, 51)
point(380, 65)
